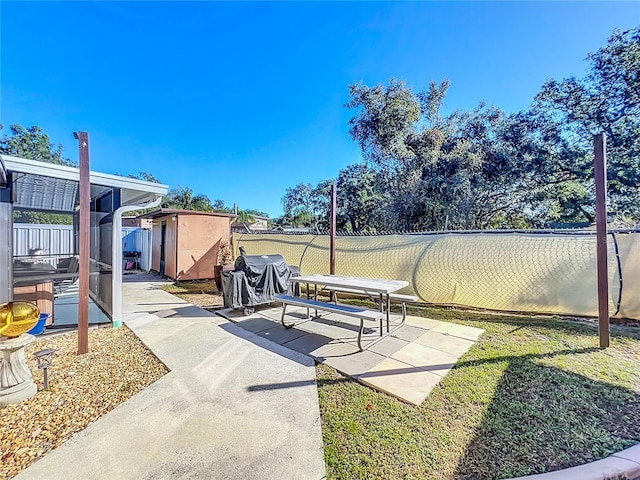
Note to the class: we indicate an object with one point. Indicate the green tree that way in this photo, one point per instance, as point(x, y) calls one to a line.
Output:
point(306, 205)
point(219, 206)
point(606, 100)
point(183, 198)
point(473, 169)
point(43, 218)
point(298, 205)
point(245, 218)
point(147, 177)
point(360, 201)
point(34, 144)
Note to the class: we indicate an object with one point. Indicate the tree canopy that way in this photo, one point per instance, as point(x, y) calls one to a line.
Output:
point(485, 168)
point(34, 144)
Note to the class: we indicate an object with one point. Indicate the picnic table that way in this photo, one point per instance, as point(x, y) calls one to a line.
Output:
point(383, 288)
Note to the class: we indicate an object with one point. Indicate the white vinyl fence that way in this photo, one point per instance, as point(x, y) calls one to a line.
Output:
point(57, 241)
point(138, 240)
point(50, 240)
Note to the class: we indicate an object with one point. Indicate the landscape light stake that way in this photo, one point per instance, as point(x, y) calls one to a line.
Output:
point(45, 360)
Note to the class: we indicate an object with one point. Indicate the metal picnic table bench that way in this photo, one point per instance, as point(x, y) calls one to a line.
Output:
point(368, 286)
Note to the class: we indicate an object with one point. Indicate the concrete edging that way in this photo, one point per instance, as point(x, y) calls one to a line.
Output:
point(624, 465)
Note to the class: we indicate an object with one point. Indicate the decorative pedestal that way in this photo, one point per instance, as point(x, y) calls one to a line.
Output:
point(16, 381)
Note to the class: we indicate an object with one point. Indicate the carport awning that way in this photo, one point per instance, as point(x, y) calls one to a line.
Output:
point(46, 186)
point(35, 192)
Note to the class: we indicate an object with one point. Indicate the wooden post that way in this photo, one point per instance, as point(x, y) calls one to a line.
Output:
point(332, 232)
point(84, 243)
point(600, 171)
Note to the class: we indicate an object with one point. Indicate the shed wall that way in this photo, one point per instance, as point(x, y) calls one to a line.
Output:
point(198, 244)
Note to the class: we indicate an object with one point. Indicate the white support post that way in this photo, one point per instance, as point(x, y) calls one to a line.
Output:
point(116, 258)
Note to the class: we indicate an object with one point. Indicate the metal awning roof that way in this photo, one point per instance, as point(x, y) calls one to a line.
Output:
point(46, 186)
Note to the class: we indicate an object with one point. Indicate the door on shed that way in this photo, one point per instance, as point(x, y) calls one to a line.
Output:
point(163, 244)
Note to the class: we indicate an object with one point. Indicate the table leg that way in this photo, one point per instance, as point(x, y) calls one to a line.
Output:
point(308, 298)
point(284, 308)
point(388, 308)
point(315, 296)
point(380, 304)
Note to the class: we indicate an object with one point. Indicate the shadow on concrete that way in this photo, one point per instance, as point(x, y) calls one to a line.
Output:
point(145, 277)
point(268, 344)
point(188, 311)
point(521, 435)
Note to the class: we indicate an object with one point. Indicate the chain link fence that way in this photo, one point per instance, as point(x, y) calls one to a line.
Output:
point(523, 271)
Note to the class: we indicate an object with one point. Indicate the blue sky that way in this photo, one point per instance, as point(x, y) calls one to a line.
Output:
point(239, 101)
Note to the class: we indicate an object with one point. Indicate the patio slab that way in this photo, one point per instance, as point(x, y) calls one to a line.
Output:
point(401, 380)
point(462, 331)
point(406, 364)
point(308, 343)
point(233, 406)
point(427, 358)
point(445, 342)
point(352, 364)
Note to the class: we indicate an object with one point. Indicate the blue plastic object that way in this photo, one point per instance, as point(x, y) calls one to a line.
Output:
point(39, 327)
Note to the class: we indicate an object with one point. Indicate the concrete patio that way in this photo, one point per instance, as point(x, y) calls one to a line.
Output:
point(233, 406)
point(406, 364)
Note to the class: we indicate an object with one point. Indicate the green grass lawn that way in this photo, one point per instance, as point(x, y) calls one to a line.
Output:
point(533, 395)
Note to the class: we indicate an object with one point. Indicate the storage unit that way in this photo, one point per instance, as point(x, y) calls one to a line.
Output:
point(186, 244)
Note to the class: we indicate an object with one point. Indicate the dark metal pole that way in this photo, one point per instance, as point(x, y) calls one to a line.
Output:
point(332, 233)
point(600, 170)
point(84, 244)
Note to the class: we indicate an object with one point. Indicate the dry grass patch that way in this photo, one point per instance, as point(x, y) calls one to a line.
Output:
point(82, 388)
point(204, 294)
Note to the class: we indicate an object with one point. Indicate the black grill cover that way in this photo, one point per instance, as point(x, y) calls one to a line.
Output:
point(255, 280)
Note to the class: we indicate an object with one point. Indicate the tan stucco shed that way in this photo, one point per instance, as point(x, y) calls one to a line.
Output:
point(186, 244)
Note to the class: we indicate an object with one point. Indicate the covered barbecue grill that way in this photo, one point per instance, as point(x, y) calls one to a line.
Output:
point(255, 280)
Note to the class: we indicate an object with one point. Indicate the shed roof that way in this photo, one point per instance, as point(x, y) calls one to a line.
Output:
point(176, 211)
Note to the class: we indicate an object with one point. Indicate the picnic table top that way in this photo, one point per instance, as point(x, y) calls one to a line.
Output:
point(373, 285)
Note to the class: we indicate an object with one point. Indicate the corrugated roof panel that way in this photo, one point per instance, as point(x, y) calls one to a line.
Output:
point(45, 193)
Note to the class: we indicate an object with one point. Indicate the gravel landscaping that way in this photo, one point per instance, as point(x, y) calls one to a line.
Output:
point(82, 388)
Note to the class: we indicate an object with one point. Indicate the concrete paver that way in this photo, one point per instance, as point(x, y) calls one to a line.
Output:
point(406, 364)
point(463, 331)
point(233, 406)
point(445, 342)
point(355, 363)
point(281, 335)
point(388, 346)
point(426, 358)
point(393, 376)
point(409, 333)
point(308, 343)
